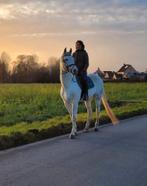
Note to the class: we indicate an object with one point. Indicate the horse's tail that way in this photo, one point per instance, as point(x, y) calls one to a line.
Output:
point(109, 110)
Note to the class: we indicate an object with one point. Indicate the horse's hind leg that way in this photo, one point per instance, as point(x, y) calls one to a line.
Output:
point(89, 114)
point(98, 107)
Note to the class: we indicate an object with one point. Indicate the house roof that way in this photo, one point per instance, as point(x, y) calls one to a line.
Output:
point(125, 67)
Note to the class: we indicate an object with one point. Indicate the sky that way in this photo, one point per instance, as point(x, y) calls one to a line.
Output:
point(114, 31)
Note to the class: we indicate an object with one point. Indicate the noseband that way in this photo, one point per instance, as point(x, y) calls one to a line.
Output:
point(67, 67)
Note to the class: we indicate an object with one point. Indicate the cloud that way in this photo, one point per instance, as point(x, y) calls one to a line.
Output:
point(112, 29)
point(51, 34)
point(60, 16)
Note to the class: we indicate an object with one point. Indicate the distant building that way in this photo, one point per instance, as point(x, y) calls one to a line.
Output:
point(143, 76)
point(128, 71)
point(117, 76)
point(108, 75)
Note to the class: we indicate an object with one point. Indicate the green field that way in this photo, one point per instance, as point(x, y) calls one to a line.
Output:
point(24, 107)
point(40, 102)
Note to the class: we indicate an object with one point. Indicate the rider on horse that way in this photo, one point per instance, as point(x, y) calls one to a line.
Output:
point(82, 63)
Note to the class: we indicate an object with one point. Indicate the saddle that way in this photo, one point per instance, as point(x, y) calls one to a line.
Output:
point(90, 85)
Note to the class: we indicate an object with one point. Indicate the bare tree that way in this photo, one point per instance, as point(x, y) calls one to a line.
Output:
point(25, 69)
point(54, 69)
point(4, 70)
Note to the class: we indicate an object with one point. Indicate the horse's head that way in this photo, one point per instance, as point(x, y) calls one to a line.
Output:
point(68, 62)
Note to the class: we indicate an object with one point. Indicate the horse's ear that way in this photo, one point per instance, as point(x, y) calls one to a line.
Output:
point(64, 51)
point(70, 50)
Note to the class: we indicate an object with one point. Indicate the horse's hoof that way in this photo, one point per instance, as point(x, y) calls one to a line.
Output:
point(71, 136)
point(86, 130)
point(76, 133)
point(96, 129)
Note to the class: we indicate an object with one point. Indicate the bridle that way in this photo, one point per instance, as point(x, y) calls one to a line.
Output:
point(68, 68)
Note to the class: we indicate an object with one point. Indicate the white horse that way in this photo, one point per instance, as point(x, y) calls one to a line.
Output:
point(71, 93)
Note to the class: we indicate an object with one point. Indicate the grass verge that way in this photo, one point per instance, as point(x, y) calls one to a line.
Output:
point(24, 132)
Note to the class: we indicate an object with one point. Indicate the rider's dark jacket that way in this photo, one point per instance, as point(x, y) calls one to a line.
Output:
point(81, 60)
point(82, 63)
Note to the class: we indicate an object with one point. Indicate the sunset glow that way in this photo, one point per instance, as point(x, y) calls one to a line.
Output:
point(114, 31)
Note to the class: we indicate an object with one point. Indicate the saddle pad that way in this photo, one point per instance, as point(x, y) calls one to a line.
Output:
point(89, 81)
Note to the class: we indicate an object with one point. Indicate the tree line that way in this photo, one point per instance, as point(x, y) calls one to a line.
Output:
point(28, 69)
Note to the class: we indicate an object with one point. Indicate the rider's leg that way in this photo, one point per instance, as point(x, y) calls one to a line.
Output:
point(84, 85)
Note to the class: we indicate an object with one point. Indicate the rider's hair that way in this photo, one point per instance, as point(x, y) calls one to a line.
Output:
point(81, 43)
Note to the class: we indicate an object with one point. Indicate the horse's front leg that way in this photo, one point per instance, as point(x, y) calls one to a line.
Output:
point(73, 119)
point(68, 106)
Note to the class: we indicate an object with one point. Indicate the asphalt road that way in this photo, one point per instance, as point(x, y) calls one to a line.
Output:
point(114, 156)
